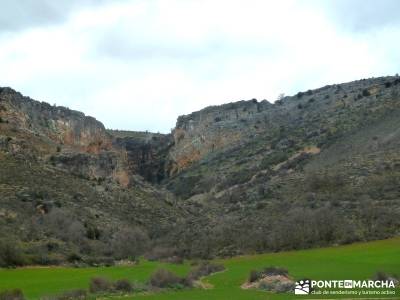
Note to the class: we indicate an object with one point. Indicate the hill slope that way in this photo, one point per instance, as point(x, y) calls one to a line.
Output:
point(318, 168)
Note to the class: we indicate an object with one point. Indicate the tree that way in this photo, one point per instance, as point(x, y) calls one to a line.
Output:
point(281, 96)
point(129, 243)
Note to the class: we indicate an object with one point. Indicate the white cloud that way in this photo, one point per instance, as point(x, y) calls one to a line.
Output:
point(139, 64)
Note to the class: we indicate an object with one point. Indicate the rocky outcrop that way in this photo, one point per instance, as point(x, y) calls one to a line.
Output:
point(60, 124)
point(145, 153)
point(213, 128)
point(216, 127)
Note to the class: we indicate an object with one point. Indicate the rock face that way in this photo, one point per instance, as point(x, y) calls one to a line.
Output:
point(60, 124)
point(80, 144)
point(213, 128)
point(146, 154)
point(219, 127)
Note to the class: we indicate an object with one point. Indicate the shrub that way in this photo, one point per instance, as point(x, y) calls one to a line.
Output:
point(254, 276)
point(123, 285)
point(78, 294)
point(203, 269)
point(10, 254)
point(381, 276)
point(164, 279)
point(100, 284)
point(139, 287)
point(160, 253)
point(15, 294)
point(273, 159)
point(284, 287)
point(266, 286)
point(129, 243)
point(178, 260)
point(366, 93)
point(99, 261)
point(74, 257)
point(272, 271)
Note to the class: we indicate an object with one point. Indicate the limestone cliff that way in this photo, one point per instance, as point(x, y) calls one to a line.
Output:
point(213, 128)
point(60, 124)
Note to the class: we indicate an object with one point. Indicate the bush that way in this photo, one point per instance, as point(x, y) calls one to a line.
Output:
point(15, 294)
point(160, 253)
point(284, 287)
point(274, 159)
point(202, 270)
point(165, 279)
point(139, 287)
point(10, 254)
point(129, 243)
point(254, 276)
point(123, 285)
point(366, 93)
point(78, 294)
point(99, 261)
point(273, 271)
point(74, 257)
point(382, 276)
point(100, 284)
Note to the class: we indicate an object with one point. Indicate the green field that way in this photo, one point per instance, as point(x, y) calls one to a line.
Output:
point(357, 261)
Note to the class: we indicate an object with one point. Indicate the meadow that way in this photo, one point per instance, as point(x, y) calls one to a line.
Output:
point(356, 261)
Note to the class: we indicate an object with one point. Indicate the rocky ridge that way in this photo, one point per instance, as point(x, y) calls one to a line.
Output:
point(325, 158)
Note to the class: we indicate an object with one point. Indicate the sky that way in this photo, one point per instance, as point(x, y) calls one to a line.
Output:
point(138, 65)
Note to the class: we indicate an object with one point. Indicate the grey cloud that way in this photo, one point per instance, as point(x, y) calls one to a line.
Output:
point(134, 46)
point(364, 15)
point(22, 14)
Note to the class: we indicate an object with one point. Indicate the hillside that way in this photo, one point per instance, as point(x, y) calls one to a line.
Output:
point(318, 168)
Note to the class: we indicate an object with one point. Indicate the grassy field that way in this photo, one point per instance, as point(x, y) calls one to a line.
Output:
point(357, 261)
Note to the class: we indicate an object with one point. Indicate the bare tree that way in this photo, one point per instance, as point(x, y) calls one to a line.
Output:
point(129, 243)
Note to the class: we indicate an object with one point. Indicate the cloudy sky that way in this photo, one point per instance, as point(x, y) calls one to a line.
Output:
point(138, 64)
